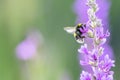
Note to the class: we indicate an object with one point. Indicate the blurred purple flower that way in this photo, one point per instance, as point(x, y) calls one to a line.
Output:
point(27, 49)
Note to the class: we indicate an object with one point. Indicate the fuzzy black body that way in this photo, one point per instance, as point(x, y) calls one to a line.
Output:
point(78, 33)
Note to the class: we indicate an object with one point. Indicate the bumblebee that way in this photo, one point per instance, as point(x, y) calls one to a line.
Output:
point(76, 31)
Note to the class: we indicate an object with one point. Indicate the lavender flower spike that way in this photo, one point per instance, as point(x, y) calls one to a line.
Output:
point(95, 57)
point(80, 10)
point(93, 51)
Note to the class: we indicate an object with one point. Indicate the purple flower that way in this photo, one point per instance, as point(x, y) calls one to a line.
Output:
point(27, 49)
point(100, 75)
point(84, 52)
point(88, 56)
point(83, 49)
point(101, 35)
point(106, 64)
point(85, 76)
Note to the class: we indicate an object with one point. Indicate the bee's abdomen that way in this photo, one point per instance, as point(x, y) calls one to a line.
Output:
point(78, 32)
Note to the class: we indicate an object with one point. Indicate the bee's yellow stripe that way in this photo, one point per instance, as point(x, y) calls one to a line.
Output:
point(79, 24)
point(75, 34)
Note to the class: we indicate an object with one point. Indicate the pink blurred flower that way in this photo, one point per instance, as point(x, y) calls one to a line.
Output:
point(27, 49)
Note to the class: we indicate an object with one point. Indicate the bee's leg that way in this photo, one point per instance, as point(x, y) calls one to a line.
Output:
point(84, 25)
point(77, 37)
point(82, 36)
point(80, 40)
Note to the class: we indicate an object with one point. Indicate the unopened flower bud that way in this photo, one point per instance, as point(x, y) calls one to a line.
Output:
point(97, 41)
point(98, 23)
point(100, 51)
point(90, 34)
point(93, 24)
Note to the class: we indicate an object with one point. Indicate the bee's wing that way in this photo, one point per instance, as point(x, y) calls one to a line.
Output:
point(70, 30)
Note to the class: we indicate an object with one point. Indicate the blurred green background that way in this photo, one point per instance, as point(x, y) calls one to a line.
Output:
point(49, 17)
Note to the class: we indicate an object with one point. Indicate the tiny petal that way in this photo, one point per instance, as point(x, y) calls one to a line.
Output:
point(92, 24)
point(85, 76)
point(107, 34)
point(83, 62)
point(103, 41)
point(98, 23)
point(106, 63)
point(83, 49)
